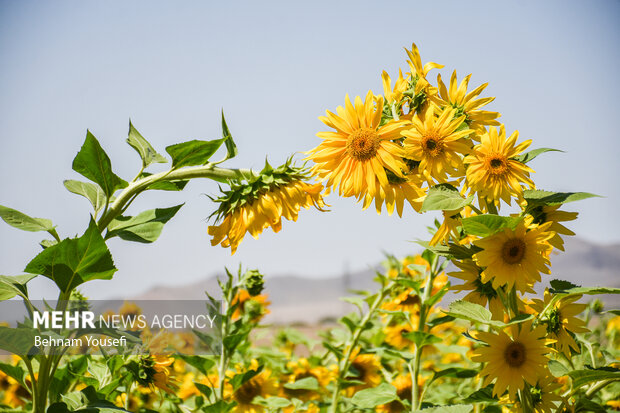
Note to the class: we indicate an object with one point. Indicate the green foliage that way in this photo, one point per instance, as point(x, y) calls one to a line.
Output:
point(478, 314)
point(193, 152)
point(147, 153)
point(528, 156)
point(18, 341)
point(307, 383)
point(488, 224)
point(93, 163)
point(539, 197)
point(74, 261)
point(88, 190)
point(583, 377)
point(10, 286)
point(145, 227)
point(444, 197)
point(369, 398)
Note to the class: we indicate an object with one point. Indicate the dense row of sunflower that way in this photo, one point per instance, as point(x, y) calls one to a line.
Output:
point(501, 348)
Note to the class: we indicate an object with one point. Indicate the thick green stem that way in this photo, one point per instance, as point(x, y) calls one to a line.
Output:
point(206, 171)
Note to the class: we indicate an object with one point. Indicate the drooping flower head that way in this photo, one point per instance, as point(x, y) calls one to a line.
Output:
point(261, 384)
point(491, 170)
point(359, 152)
point(365, 368)
point(262, 202)
point(436, 143)
point(466, 103)
point(514, 257)
point(479, 292)
point(512, 359)
point(551, 213)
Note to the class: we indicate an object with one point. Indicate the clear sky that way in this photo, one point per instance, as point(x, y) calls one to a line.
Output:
point(275, 67)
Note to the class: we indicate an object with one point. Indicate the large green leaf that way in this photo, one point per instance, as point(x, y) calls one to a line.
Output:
point(369, 398)
point(19, 341)
point(528, 156)
point(444, 197)
point(457, 408)
point(74, 261)
point(582, 377)
point(10, 286)
point(147, 153)
point(24, 222)
point(145, 227)
point(88, 190)
point(93, 163)
point(536, 196)
point(489, 224)
point(307, 383)
point(193, 152)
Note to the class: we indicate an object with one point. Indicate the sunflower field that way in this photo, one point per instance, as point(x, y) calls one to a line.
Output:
point(418, 147)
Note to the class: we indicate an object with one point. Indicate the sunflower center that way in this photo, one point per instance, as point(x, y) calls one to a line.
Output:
point(497, 164)
point(515, 354)
point(432, 145)
point(411, 300)
point(363, 144)
point(248, 391)
point(513, 251)
point(359, 370)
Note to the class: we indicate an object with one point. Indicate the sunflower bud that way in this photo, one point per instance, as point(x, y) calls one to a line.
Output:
point(253, 282)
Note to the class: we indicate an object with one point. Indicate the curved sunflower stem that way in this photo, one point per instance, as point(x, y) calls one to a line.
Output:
point(205, 171)
point(345, 362)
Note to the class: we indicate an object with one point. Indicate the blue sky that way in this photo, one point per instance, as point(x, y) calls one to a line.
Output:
point(275, 67)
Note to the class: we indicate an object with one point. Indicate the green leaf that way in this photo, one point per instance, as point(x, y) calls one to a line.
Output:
point(489, 224)
point(273, 403)
point(15, 372)
point(239, 379)
point(307, 383)
point(206, 390)
point(143, 147)
point(451, 251)
point(484, 395)
point(528, 156)
point(10, 286)
point(220, 406)
point(231, 147)
point(587, 291)
point(24, 222)
point(557, 369)
point(201, 364)
point(440, 320)
point(457, 408)
point(479, 314)
point(193, 152)
point(421, 338)
point(74, 261)
point(561, 285)
point(145, 227)
point(536, 196)
point(169, 185)
point(444, 197)
point(455, 372)
point(582, 377)
point(19, 341)
point(370, 398)
point(93, 163)
point(88, 190)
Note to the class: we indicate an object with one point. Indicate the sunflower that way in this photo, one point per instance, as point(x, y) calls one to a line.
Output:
point(561, 320)
point(364, 368)
point(252, 307)
point(262, 384)
point(396, 193)
point(302, 369)
point(394, 336)
point(421, 89)
point(450, 228)
point(393, 96)
point(514, 257)
point(436, 144)
point(544, 397)
point(491, 170)
point(479, 292)
point(550, 213)
point(406, 301)
point(466, 103)
point(512, 359)
point(262, 202)
point(357, 155)
point(403, 391)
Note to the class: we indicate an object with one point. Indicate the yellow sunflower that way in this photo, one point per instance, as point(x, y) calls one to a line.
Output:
point(544, 394)
point(423, 91)
point(561, 320)
point(407, 301)
point(396, 193)
point(364, 368)
point(479, 292)
point(301, 369)
point(514, 257)
point(262, 202)
point(436, 143)
point(394, 336)
point(261, 384)
point(357, 154)
point(491, 170)
point(466, 103)
point(546, 213)
point(393, 96)
point(254, 307)
point(512, 359)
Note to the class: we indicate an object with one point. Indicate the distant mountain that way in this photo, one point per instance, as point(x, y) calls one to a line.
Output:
point(309, 300)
